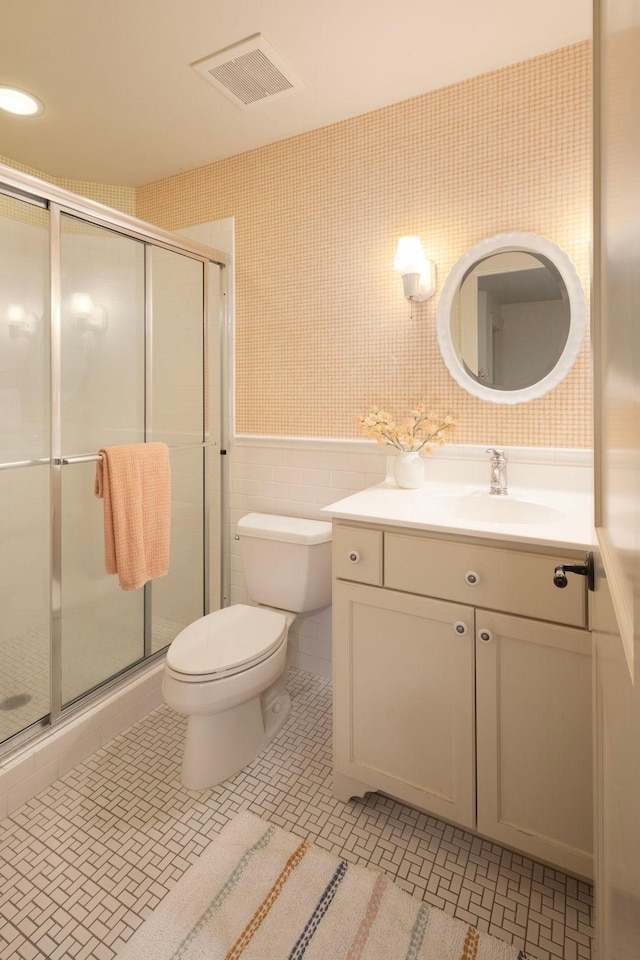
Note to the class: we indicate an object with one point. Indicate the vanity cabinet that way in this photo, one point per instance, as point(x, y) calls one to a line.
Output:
point(462, 685)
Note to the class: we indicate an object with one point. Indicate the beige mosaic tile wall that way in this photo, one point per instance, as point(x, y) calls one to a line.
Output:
point(323, 332)
point(120, 198)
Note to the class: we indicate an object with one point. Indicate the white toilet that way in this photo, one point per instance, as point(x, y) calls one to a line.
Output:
point(226, 670)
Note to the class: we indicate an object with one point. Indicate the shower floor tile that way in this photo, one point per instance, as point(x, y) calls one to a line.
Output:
point(25, 674)
point(84, 863)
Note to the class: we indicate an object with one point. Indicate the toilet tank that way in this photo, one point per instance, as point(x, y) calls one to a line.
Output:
point(287, 561)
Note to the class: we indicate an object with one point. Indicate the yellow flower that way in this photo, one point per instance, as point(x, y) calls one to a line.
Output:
point(421, 431)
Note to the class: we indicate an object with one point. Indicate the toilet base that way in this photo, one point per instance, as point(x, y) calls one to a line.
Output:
point(217, 746)
point(274, 716)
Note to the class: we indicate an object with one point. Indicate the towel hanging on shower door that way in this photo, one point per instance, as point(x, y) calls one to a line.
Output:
point(134, 480)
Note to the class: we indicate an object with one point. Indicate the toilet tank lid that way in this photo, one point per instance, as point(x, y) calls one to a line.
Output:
point(269, 526)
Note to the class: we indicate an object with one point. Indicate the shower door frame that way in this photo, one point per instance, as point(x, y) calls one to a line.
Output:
point(60, 202)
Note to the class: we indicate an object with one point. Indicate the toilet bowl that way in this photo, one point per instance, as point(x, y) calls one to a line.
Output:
point(226, 671)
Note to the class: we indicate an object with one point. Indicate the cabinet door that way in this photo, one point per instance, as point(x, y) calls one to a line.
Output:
point(404, 699)
point(533, 694)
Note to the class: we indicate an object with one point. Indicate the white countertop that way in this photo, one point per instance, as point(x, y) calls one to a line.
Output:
point(569, 525)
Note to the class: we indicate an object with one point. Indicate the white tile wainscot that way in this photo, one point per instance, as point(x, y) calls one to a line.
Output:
point(297, 477)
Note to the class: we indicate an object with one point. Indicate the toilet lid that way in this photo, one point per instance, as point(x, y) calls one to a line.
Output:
point(231, 638)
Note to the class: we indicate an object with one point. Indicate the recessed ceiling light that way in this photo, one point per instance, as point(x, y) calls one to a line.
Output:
point(17, 101)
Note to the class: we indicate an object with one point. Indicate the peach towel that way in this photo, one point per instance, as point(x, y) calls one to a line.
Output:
point(134, 480)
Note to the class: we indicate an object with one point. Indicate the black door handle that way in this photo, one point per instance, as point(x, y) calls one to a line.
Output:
point(585, 569)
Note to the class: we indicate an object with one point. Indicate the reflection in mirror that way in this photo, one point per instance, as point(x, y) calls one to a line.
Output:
point(511, 318)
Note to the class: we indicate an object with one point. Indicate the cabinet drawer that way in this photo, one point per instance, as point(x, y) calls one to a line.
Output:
point(357, 554)
point(484, 577)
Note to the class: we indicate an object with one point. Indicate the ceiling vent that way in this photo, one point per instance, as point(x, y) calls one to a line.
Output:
point(249, 72)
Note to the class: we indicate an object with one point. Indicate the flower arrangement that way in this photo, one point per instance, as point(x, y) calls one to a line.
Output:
point(424, 429)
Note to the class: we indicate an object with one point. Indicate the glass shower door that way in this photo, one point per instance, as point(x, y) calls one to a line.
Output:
point(104, 340)
point(25, 546)
point(177, 419)
point(102, 402)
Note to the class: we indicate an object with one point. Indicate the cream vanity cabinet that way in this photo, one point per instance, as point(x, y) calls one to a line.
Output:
point(462, 685)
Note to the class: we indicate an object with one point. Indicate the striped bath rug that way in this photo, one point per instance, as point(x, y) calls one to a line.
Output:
point(260, 893)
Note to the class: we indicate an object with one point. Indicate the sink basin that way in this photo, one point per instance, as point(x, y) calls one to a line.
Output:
point(485, 508)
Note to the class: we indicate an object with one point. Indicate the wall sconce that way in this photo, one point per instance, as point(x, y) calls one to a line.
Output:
point(21, 322)
point(87, 314)
point(418, 273)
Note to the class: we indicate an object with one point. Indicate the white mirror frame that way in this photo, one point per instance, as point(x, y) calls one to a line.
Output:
point(506, 243)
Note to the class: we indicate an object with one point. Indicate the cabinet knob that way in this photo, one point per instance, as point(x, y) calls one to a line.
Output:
point(353, 556)
point(460, 628)
point(485, 636)
point(472, 578)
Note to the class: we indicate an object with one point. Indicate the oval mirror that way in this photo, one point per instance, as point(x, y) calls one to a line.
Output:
point(511, 318)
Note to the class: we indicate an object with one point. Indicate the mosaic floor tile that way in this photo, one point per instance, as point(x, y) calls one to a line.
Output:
point(87, 860)
point(25, 675)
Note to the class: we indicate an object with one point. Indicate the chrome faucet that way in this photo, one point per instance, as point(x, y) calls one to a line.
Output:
point(498, 485)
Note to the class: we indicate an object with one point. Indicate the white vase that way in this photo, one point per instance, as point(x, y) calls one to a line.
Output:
point(408, 470)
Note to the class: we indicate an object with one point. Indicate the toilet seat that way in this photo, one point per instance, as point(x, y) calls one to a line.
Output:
point(226, 643)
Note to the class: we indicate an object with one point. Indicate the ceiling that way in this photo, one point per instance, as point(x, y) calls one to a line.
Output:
point(124, 106)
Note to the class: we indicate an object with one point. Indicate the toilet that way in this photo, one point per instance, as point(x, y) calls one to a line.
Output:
point(226, 671)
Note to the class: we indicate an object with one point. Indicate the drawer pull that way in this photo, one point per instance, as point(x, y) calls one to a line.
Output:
point(485, 636)
point(472, 578)
point(353, 556)
point(460, 628)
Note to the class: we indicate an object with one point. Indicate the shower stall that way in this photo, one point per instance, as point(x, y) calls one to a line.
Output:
point(111, 331)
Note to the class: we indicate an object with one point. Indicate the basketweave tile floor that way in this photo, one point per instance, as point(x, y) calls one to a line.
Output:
point(86, 861)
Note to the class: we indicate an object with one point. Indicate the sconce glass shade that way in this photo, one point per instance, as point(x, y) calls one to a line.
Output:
point(418, 273)
point(410, 256)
